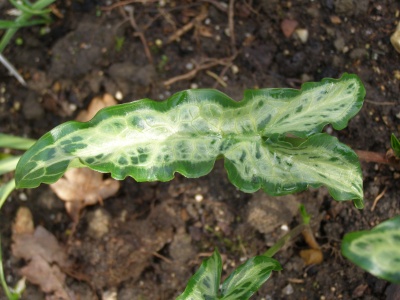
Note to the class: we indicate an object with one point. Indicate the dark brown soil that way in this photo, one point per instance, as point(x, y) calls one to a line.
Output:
point(158, 233)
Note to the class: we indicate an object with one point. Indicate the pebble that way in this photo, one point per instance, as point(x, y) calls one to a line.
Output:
point(23, 197)
point(302, 34)
point(288, 27)
point(99, 223)
point(395, 39)
point(288, 290)
point(358, 53)
point(339, 43)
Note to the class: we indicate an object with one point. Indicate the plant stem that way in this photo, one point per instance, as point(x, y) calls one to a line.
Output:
point(9, 295)
point(283, 240)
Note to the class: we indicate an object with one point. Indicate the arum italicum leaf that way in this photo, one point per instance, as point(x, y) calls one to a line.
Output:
point(244, 281)
point(204, 284)
point(151, 140)
point(377, 250)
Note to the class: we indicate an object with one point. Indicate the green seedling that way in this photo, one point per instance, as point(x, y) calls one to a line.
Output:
point(119, 43)
point(377, 250)
point(11, 293)
point(270, 140)
point(395, 143)
point(30, 15)
point(8, 162)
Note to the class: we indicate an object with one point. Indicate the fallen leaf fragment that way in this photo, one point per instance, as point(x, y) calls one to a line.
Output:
point(23, 222)
point(395, 39)
point(311, 256)
point(95, 105)
point(288, 27)
point(82, 187)
point(44, 255)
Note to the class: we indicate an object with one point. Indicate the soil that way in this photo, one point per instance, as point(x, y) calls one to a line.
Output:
point(145, 242)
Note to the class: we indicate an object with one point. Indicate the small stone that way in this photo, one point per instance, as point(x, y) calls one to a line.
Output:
point(99, 223)
point(119, 96)
point(395, 39)
point(335, 20)
point(235, 69)
point(358, 53)
point(339, 43)
point(198, 198)
point(288, 290)
point(302, 34)
point(22, 197)
point(344, 7)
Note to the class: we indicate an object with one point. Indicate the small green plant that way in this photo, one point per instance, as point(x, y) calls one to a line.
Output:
point(271, 140)
point(377, 250)
point(395, 143)
point(8, 162)
point(29, 15)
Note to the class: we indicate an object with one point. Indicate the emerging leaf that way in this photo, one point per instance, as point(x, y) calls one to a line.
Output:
point(395, 143)
point(241, 284)
point(248, 278)
point(377, 250)
point(150, 140)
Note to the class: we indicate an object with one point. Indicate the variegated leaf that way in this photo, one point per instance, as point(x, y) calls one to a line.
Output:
point(248, 278)
point(377, 250)
point(204, 284)
point(152, 140)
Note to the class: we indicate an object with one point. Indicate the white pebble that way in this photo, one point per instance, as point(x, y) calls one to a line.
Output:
point(198, 197)
point(302, 34)
point(288, 290)
point(189, 66)
point(23, 197)
point(284, 227)
point(119, 96)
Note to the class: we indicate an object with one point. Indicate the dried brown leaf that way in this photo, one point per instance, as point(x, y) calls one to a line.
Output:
point(44, 255)
point(23, 222)
point(95, 105)
point(288, 27)
point(83, 187)
point(312, 256)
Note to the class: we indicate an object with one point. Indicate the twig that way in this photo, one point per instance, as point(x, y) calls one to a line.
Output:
point(203, 66)
point(127, 2)
point(376, 157)
point(12, 70)
point(220, 5)
point(139, 33)
point(380, 103)
point(199, 18)
point(232, 25)
point(377, 198)
point(166, 259)
point(216, 77)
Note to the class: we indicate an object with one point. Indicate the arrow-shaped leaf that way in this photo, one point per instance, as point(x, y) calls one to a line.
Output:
point(151, 140)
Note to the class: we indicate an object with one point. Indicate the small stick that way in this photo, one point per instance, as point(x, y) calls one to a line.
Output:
point(378, 198)
point(177, 34)
point(139, 33)
point(380, 103)
point(217, 78)
point(12, 70)
point(193, 72)
point(127, 2)
point(232, 25)
point(370, 156)
point(166, 259)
